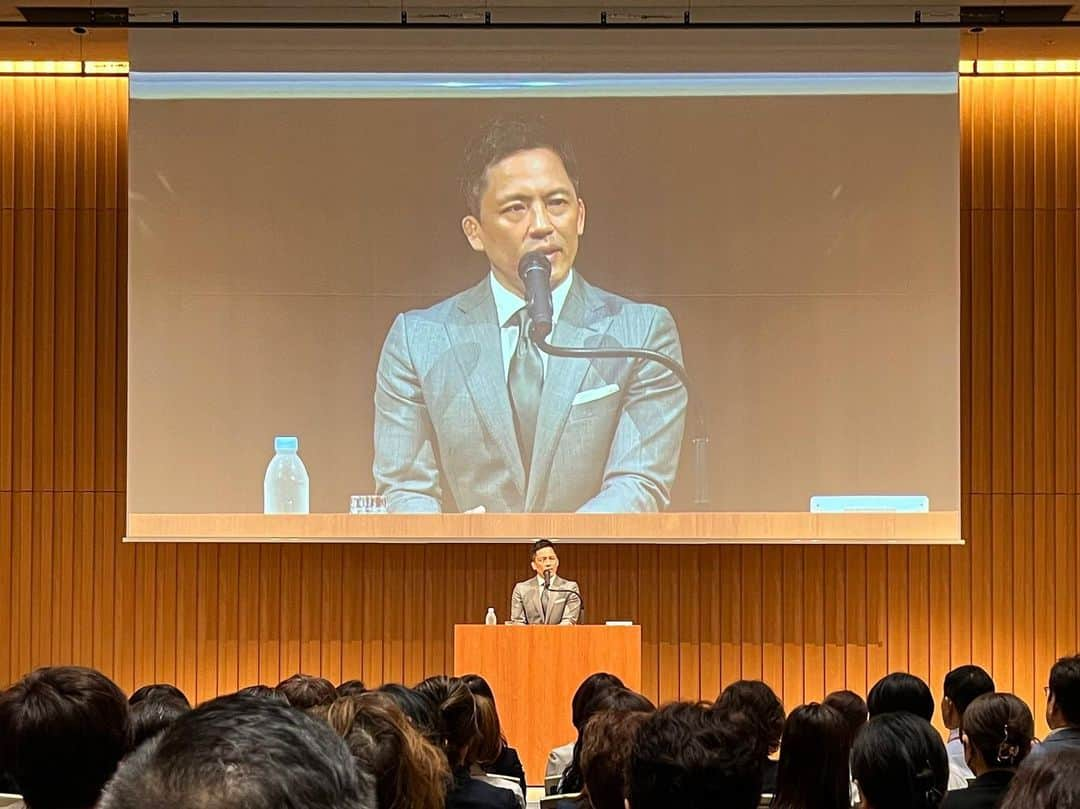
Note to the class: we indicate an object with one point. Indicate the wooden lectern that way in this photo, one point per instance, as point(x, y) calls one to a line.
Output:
point(534, 672)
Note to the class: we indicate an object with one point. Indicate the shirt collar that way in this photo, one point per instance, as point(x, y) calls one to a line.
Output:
point(507, 303)
point(954, 735)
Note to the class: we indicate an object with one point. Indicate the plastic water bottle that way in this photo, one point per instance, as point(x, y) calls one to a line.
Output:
point(490, 618)
point(285, 487)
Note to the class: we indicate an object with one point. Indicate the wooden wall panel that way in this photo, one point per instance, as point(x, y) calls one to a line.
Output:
point(809, 620)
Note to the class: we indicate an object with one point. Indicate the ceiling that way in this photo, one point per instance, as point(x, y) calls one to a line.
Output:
point(111, 44)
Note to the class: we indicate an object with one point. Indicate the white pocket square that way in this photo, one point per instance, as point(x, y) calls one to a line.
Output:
point(593, 394)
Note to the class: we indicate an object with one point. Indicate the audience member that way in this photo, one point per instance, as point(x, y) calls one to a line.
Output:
point(457, 711)
point(962, 686)
point(304, 691)
point(351, 688)
point(487, 748)
point(996, 732)
point(899, 762)
point(1063, 705)
point(613, 699)
point(688, 756)
point(605, 749)
point(560, 757)
point(814, 755)
point(242, 752)
point(63, 731)
point(264, 692)
point(418, 709)
point(901, 691)
point(765, 710)
point(505, 760)
point(410, 772)
point(850, 706)
point(1050, 780)
point(154, 708)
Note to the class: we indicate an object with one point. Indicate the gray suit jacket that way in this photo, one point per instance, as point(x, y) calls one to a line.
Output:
point(609, 432)
point(563, 607)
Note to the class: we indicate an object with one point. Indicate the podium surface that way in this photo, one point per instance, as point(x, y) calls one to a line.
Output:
point(534, 672)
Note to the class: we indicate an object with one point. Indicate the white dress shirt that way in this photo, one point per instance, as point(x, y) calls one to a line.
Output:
point(507, 304)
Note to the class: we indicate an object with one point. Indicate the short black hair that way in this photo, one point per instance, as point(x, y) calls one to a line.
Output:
point(899, 762)
point(1065, 688)
point(159, 691)
point(351, 688)
point(502, 138)
point(964, 683)
point(850, 706)
point(539, 545)
point(760, 704)
point(264, 692)
point(152, 714)
point(63, 731)
point(689, 756)
point(242, 752)
point(422, 713)
point(901, 691)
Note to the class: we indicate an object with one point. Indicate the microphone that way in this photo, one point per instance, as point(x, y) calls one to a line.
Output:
point(534, 269)
point(547, 579)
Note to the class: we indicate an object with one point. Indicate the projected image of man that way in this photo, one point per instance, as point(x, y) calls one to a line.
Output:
point(470, 414)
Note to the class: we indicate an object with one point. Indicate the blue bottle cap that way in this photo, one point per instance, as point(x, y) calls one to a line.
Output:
point(286, 443)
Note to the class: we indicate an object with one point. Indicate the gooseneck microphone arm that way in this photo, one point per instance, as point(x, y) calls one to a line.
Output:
point(535, 272)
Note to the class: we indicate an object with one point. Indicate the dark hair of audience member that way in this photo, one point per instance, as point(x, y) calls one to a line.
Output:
point(613, 699)
point(488, 744)
point(963, 684)
point(850, 706)
point(457, 712)
point(605, 749)
point(1065, 689)
point(760, 704)
point(688, 756)
point(152, 714)
point(63, 731)
point(264, 692)
point(480, 688)
point(814, 756)
point(901, 691)
point(899, 762)
point(587, 692)
point(1050, 780)
point(351, 688)
point(242, 752)
point(418, 709)
point(305, 691)
point(999, 727)
point(159, 691)
point(410, 772)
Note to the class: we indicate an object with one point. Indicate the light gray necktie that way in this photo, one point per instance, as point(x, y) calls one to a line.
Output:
point(526, 381)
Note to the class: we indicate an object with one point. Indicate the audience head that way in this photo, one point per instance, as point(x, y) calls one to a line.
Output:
point(154, 708)
point(814, 756)
point(1050, 780)
point(489, 722)
point(351, 688)
point(418, 709)
point(605, 748)
point(63, 731)
point(488, 743)
point(899, 762)
point(850, 706)
point(609, 699)
point(997, 730)
point(457, 713)
point(264, 692)
point(760, 705)
point(901, 691)
point(1063, 694)
point(242, 752)
point(587, 691)
point(962, 685)
point(304, 691)
point(410, 773)
point(689, 756)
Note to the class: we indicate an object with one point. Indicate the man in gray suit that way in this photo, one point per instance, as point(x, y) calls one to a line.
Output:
point(470, 414)
point(1062, 706)
point(543, 600)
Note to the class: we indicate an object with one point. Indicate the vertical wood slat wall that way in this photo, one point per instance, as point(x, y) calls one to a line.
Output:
point(212, 618)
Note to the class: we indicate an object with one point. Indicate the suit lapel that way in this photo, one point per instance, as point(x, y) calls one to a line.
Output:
point(476, 339)
point(583, 317)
